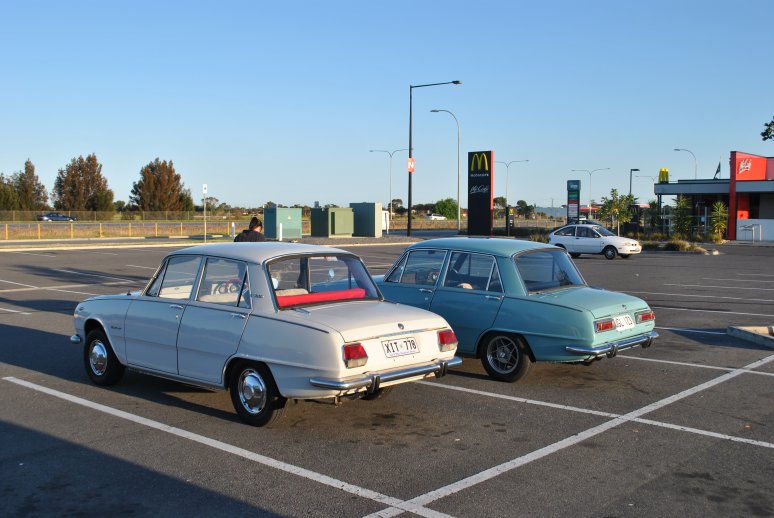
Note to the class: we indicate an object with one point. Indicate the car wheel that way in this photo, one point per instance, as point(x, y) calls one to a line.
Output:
point(255, 396)
point(101, 363)
point(609, 252)
point(574, 255)
point(505, 357)
point(624, 256)
point(379, 394)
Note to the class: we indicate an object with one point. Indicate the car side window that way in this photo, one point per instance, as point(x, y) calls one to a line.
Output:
point(224, 282)
point(566, 231)
point(179, 277)
point(472, 271)
point(582, 232)
point(421, 267)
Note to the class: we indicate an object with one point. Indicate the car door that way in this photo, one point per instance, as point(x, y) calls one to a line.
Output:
point(583, 240)
point(414, 280)
point(566, 238)
point(213, 322)
point(470, 296)
point(595, 241)
point(153, 319)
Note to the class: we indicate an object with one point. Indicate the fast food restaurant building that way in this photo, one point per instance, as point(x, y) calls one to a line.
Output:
point(748, 194)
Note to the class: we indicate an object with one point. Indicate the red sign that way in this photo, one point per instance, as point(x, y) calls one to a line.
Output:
point(410, 165)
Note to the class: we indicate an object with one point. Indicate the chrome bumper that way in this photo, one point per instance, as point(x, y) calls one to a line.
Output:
point(372, 381)
point(612, 349)
point(75, 339)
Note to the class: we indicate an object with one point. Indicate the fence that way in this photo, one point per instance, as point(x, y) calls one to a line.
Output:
point(83, 230)
point(32, 215)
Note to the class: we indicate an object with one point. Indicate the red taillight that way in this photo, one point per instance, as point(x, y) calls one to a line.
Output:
point(447, 340)
point(645, 316)
point(603, 325)
point(355, 355)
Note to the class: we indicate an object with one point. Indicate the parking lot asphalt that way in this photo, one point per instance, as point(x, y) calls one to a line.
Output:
point(685, 427)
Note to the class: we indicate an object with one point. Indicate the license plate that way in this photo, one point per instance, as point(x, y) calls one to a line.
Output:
point(400, 346)
point(623, 322)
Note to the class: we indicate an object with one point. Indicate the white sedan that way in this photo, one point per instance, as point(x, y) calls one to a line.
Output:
point(268, 322)
point(593, 239)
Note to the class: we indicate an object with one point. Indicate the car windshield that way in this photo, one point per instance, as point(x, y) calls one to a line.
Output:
point(603, 231)
point(316, 279)
point(543, 270)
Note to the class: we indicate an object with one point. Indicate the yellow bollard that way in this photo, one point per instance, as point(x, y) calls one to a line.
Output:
point(100, 230)
point(157, 230)
point(130, 230)
point(71, 230)
point(38, 230)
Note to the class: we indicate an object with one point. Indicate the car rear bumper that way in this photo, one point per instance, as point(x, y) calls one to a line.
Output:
point(371, 382)
point(612, 348)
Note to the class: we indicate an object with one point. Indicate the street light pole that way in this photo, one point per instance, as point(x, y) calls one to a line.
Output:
point(459, 210)
point(389, 200)
point(590, 173)
point(630, 180)
point(507, 173)
point(410, 147)
point(695, 162)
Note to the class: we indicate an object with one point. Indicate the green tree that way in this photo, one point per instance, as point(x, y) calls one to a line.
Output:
point(81, 186)
point(8, 199)
point(524, 209)
point(719, 218)
point(397, 202)
point(768, 130)
point(446, 207)
point(616, 208)
point(30, 192)
point(159, 187)
point(186, 201)
point(681, 217)
point(119, 205)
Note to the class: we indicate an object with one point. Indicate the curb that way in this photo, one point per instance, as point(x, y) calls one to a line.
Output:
point(760, 335)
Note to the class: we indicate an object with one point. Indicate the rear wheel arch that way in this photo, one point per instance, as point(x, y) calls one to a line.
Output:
point(510, 340)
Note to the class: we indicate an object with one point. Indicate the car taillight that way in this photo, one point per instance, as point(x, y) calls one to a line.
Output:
point(604, 325)
point(355, 356)
point(447, 340)
point(645, 316)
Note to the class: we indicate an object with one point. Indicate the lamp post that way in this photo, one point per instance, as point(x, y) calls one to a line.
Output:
point(590, 173)
point(630, 180)
point(507, 172)
point(459, 210)
point(695, 162)
point(411, 155)
point(389, 200)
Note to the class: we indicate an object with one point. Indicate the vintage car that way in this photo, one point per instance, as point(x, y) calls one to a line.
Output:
point(514, 302)
point(268, 322)
point(593, 239)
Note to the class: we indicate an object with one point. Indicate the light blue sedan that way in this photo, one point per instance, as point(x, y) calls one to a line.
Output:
point(512, 303)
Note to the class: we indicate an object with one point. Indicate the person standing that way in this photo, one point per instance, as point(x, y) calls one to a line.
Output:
point(252, 234)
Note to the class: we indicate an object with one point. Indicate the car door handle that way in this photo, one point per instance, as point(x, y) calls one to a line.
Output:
point(176, 306)
point(425, 290)
point(493, 297)
point(237, 315)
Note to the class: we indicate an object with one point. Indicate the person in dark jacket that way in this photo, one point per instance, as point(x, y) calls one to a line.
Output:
point(252, 234)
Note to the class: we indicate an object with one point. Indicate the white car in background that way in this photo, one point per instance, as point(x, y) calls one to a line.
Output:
point(593, 239)
point(436, 217)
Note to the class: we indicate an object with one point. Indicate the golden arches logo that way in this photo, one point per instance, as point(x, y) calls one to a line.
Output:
point(478, 158)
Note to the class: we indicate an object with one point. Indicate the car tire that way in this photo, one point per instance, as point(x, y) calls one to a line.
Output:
point(255, 396)
point(379, 394)
point(624, 256)
point(102, 366)
point(609, 252)
point(574, 255)
point(505, 357)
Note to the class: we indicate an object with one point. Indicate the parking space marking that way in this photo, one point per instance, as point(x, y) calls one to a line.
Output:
point(94, 275)
point(391, 502)
point(672, 308)
point(746, 299)
point(15, 311)
point(697, 365)
point(635, 416)
point(733, 279)
point(687, 330)
point(104, 253)
point(32, 253)
point(721, 287)
point(144, 267)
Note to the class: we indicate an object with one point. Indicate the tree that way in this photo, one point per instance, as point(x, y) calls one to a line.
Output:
point(81, 186)
point(616, 207)
point(30, 192)
point(8, 199)
point(397, 202)
point(524, 209)
point(186, 201)
point(768, 131)
point(446, 207)
point(681, 217)
point(719, 218)
point(500, 202)
point(159, 188)
point(119, 205)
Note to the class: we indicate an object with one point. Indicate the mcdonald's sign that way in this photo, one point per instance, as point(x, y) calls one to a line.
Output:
point(480, 192)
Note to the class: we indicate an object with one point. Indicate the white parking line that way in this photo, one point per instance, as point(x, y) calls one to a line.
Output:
point(393, 503)
point(15, 311)
point(697, 365)
point(686, 330)
point(32, 253)
point(93, 275)
point(144, 267)
point(722, 287)
point(671, 308)
point(746, 299)
point(732, 280)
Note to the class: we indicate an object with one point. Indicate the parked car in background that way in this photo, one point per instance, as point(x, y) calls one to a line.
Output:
point(268, 322)
point(436, 217)
point(593, 239)
point(512, 303)
point(55, 216)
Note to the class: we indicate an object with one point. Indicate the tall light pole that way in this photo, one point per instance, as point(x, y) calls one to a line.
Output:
point(590, 173)
point(459, 210)
point(389, 200)
point(630, 180)
point(695, 162)
point(410, 148)
point(507, 172)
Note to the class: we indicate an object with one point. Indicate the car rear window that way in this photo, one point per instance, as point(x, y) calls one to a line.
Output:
point(546, 270)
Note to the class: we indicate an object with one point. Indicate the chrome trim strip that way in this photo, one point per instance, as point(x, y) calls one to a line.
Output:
point(613, 347)
point(75, 339)
point(373, 380)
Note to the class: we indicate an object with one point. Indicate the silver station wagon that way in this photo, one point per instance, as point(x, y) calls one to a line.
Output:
point(514, 302)
point(268, 322)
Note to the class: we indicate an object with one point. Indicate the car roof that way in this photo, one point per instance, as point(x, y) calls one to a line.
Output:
point(505, 247)
point(257, 252)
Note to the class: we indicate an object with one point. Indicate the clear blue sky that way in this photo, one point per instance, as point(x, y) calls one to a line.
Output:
point(282, 101)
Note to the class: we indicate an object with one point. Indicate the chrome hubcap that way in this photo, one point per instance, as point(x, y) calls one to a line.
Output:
point(252, 391)
point(502, 354)
point(98, 357)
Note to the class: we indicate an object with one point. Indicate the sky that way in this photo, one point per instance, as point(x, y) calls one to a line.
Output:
point(282, 101)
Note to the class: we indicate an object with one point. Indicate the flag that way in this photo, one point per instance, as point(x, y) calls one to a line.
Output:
point(717, 173)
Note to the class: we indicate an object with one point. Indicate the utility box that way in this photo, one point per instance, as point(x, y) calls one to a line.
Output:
point(332, 222)
point(368, 219)
point(282, 223)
